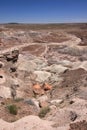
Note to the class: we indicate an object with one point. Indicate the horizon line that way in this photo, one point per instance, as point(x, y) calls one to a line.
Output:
point(43, 23)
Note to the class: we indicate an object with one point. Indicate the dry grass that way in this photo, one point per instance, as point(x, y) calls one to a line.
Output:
point(44, 111)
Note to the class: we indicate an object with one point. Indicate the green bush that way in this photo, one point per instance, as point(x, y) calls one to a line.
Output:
point(12, 109)
point(43, 112)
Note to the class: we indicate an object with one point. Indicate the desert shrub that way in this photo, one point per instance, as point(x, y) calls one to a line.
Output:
point(13, 109)
point(44, 111)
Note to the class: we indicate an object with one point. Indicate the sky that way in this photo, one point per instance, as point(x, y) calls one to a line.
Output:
point(43, 11)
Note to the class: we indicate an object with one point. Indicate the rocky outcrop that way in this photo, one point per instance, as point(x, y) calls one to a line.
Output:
point(28, 123)
point(25, 64)
point(42, 76)
point(56, 69)
point(13, 56)
point(46, 74)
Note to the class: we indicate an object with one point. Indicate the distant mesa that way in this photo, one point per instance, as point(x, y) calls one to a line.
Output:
point(13, 23)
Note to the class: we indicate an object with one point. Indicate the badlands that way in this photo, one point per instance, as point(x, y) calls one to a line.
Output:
point(43, 77)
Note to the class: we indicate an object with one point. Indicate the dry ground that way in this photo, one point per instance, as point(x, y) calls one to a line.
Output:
point(55, 55)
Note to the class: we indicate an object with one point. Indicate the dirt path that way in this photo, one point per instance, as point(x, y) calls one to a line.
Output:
point(73, 42)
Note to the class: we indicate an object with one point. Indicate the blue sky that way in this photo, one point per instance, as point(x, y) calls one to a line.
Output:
point(43, 11)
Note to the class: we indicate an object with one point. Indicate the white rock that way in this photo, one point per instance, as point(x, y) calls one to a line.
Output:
point(65, 63)
point(79, 64)
point(40, 63)
point(56, 68)
point(26, 65)
point(5, 92)
point(53, 107)
point(76, 65)
point(56, 102)
point(43, 98)
point(36, 102)
point(84, 65)
point(56, 78)
point(42, 75)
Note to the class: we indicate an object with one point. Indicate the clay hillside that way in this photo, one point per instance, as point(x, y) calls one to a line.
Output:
point(43, 76)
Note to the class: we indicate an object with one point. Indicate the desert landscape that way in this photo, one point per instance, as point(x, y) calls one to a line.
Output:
point(43, 76)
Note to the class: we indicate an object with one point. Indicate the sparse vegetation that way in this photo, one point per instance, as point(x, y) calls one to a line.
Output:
point(44, 72)
point(12, 109)
point(44, 111)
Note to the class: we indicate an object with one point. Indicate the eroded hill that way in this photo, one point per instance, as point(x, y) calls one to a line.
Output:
point(43, 72)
